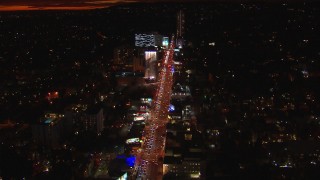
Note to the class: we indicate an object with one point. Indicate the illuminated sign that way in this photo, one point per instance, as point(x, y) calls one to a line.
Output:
point(139, 118)
point(165, 42)
point(151, 55)
point(133, 141)
point(151, 59)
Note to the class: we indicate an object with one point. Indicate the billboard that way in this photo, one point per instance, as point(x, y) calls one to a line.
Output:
point(133, 141)
point(139, 118)
point(151, 59)
point(151, 55)
point(165, 42)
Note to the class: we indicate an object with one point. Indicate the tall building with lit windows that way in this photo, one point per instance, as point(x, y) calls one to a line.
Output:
point(180, 29)
point(129, 59)
point(85, 118)
point(180, 24)
point(123, 55)
point(92, 120)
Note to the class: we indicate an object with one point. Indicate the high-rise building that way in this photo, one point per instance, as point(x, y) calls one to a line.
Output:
point(123, 55)
point(129, 59)
point(180, 29)
point(180, 24)
point(92, 120)
point(86, 118)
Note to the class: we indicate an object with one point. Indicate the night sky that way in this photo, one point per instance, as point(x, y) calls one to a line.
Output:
point(13, 5)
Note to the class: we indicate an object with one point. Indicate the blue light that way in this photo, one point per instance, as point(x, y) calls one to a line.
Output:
point(130, 160)
point(171, 108)
point(172, 69)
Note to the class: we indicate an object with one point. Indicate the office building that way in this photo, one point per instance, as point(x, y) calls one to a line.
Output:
point(180, 29)
point(148, 40)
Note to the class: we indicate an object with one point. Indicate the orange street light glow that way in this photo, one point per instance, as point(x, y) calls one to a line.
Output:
point(30, 8)
point(21, 5)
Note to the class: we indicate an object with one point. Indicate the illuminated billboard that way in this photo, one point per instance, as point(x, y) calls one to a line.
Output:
point(139, 118)
point(133, 141)
point(165, 42)
point(151, 59)
point(151, 55)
